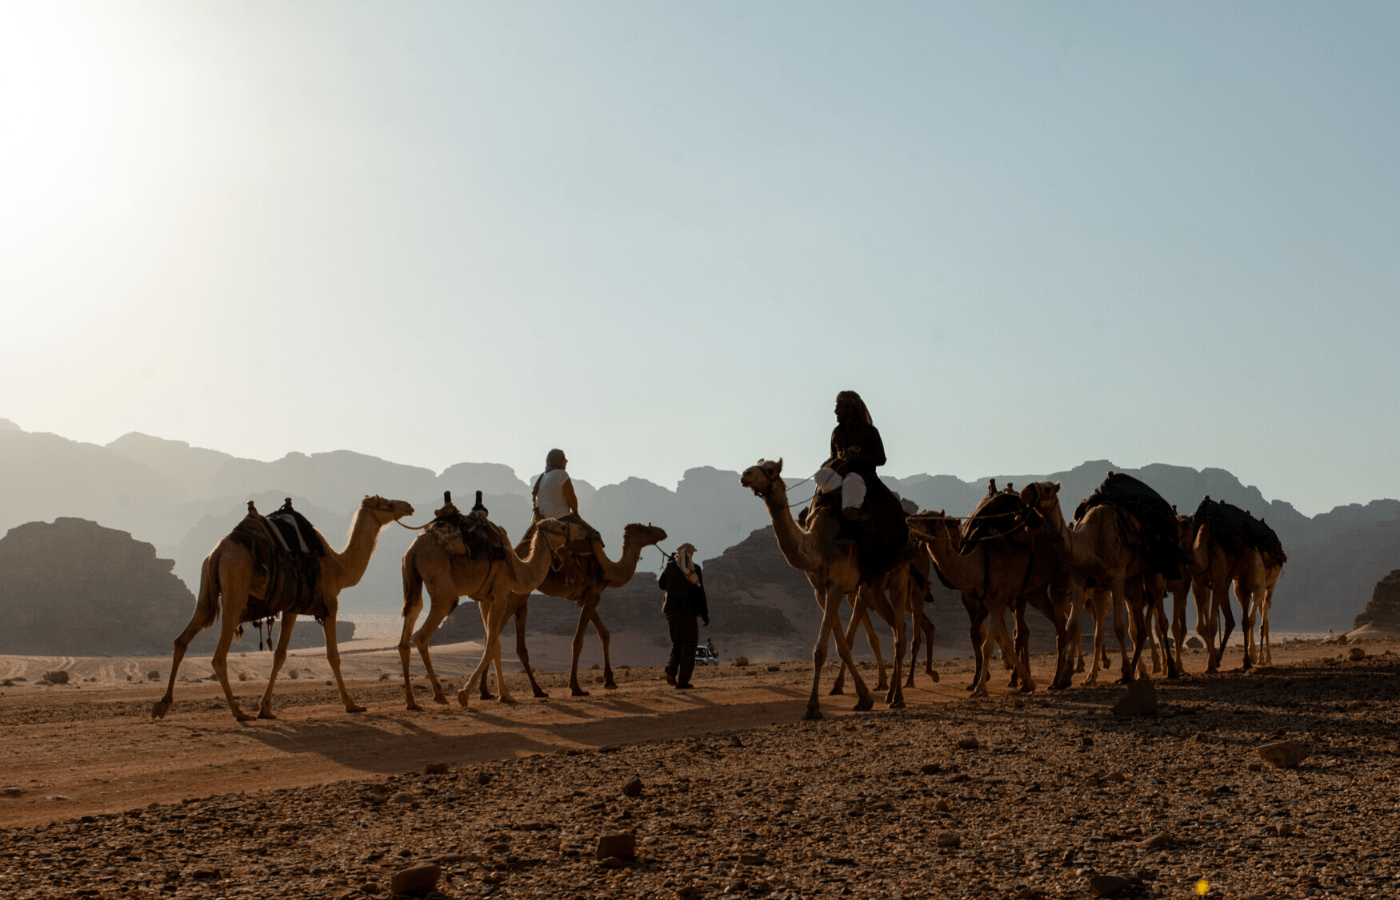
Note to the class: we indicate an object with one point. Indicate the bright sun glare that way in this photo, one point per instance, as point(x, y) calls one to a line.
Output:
point(62, 85)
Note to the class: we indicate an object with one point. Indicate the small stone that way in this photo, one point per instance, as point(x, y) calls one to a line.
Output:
point(948, 839)
point(437, 768)
point(931, 768)
point(968, 743)
point(741, 661)
point(13, 792)
point(483, 778)
point(1160, 839)
point(1285, 829)
point(419, 879)
point(633, 787)
point(1140, 699)
point(752, 859)
point(1283, 754)
point(941, 806)
point(1107, 885)
point(622, 846)
point(1146, 875)
point(402, 797)
point(1356, 654)
point(203, 874)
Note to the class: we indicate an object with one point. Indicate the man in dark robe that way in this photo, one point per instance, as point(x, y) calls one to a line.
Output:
point(684, 584)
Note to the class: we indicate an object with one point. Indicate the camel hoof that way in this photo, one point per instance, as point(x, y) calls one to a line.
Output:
point(241, 716)
point(836, 691)
point(487, 695)
point(812, 714)
point(541, 695)
point(462, 698)
point(440, 699)
point(579, 692)
point(610, 686)
point(159, 709)
point(354, 708)
point(934, 676)
point(864, 704)
point(412, 706)
point(896, 704)
point(266, 714)
point(510, 700)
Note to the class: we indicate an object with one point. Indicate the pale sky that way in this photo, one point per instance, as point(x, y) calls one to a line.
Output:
point(664, 235)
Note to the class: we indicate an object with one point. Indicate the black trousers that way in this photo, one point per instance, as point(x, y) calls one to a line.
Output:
point(685, 635)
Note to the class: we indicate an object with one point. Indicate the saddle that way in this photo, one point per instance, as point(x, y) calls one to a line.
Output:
point(1148, 521)
point(472, 535)
point(1236, 529)
point(574, 563)
point(880, 537)
point(287, 553)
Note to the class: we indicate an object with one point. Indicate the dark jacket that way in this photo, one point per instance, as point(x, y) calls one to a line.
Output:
point(682, 597)
point(867, 438)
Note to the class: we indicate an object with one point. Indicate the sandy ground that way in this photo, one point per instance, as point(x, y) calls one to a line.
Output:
point(89, 752)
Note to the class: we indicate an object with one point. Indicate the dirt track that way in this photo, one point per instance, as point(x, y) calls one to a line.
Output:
point(738, 797)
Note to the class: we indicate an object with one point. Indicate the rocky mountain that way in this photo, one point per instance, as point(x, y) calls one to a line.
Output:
point(75, 588)
point(1384, 609)
point(182, 499)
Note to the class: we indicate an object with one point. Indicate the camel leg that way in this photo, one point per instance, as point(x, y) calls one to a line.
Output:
point(604, 638)
point(219, 663)
point(1133, 600)
point(989, 633)
point(1228, 617)
point(1128, 660)
point(914, 643)
point(1245, 595)
point(1022, 641)
point(895, 698)
point(493, 612)
point(858, 612)
point(584, 617)
point(279, 658)
point(1098, 605)
point(1205, 619)
point(521, 612)
point(843, 649)
point(1179, 625)
point(874, 640)
point(501, 686)
point(206, 610)
point(1157, 597)
point(930, 632)
point(412, 607)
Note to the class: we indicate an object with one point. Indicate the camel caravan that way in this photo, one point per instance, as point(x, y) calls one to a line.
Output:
point(1122, 552)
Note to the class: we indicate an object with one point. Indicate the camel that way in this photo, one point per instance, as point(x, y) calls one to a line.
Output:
point(1214, 568)
point(490, 583)
point(607, 574)
point(829, 563)
point(1099, 548)
point(229, 574)
point(995, 575)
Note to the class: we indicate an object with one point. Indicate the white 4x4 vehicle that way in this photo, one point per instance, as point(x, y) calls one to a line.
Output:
point(703, 657)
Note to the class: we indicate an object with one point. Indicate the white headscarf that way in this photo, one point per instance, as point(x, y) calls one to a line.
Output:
point(683, 554)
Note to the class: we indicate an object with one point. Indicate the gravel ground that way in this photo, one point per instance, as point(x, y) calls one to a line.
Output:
point(1015, 796)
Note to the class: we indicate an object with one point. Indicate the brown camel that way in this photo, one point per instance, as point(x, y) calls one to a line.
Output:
point(229, 575)
point(586, 593)
point(1099, 548)
point(448, 576)
point(995, 574)
point(1214, 568)
point(829, 563)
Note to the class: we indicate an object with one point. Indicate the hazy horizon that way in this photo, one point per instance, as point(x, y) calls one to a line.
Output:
point(664, 235)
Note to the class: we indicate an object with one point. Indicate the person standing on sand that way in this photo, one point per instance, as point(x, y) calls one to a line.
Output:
point(684, 584)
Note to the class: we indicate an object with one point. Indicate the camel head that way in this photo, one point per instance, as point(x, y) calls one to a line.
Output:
point(926, 525)
point(760, 478)
point(647, 535)
point(386, 511)
point(1041, 495)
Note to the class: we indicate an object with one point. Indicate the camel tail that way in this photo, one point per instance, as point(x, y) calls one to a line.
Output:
point(209, 588)
point(412, 583)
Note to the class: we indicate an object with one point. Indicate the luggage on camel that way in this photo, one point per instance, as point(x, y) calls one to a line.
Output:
point(473, 535)
point(287, 552)
point(1152, 518)
point(1236, 529)
point(1000, 514)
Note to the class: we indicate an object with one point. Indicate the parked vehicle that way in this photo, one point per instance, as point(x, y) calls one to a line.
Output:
point(703, 657)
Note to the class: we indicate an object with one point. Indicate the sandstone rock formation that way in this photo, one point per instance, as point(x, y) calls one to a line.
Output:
point(1384, 609)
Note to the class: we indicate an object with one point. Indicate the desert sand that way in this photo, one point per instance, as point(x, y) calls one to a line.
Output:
point(1016, 795)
